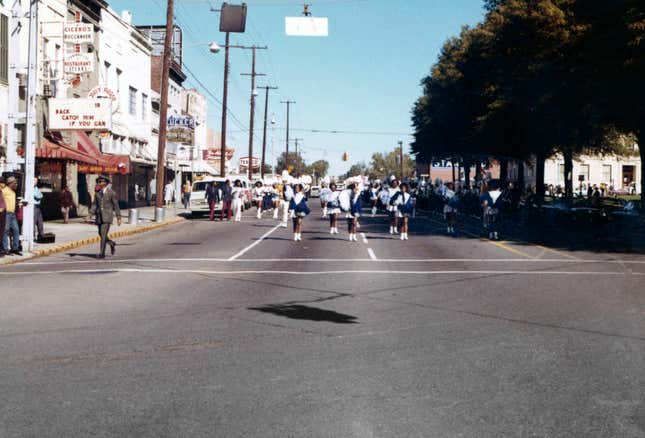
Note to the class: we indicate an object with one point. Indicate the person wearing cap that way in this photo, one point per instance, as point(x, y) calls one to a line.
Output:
point(11, 229)
point(105, 207)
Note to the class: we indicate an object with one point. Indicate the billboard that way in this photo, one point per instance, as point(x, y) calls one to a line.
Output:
point(306, 26)
point(82, 114)
point(232, 18)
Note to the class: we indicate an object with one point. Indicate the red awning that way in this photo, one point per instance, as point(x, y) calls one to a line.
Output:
point(60, 151)
point(108, 164)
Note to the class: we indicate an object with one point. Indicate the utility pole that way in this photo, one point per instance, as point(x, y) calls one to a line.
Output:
point(163, 112)
point(30, 134)
point(253, 74)
point(222, 163)
point(297, 174)
point(401, 158)
point(264, 135)
point(286, 157)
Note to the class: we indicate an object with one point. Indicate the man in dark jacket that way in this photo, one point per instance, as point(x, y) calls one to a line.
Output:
point(3, 214)
point(105, 207)
point(227, 200)
point(212, 197)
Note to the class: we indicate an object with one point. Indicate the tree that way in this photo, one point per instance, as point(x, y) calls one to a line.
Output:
point(383, 165)
point(358, 169)
point(318, 169)
point(295, 161)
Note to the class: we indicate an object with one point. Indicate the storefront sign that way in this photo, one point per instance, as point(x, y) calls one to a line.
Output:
point(83, 114)
point(78, 33)
point(79, 63)
point(181, 122)
point(212, 155)
point(180, 135)
point(103, 92)
point(244, 162)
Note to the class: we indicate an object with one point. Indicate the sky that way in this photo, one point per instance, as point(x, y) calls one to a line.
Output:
point(363, 77)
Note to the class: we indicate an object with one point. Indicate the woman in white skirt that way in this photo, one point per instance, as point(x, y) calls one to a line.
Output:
point(404, 203)
point(298, 209)
point(374, 189)
point(391, 208)
point(354, 211)
point(324, 195)
point(333, 208)
point(237, 193)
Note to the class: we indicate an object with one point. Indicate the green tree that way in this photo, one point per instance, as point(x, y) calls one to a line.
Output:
point(383, 165)
point(318, 169)
point(357, 169)
point(295, 162)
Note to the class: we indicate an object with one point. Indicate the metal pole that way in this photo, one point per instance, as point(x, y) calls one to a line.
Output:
point(401, 158)
point(30, 134)
point(163, 112)
point(222, 164)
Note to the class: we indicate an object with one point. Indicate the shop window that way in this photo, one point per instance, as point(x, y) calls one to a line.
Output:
point(606, 173)
point(144, 107)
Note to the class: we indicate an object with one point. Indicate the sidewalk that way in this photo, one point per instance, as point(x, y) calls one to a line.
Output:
point(79, 233)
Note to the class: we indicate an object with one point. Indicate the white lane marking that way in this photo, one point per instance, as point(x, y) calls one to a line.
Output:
point(263, 272)
point(318, 260)
point(364, 237)
point(253, 245)
point(370, 251)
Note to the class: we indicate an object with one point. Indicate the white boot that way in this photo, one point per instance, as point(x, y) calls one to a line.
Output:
point(295, 237)
point(351, 237)
point(391, 230)
point(331, 230)
point(324, 211)
point(259, 214)
point(335, 230)
point(402, 236)
point(406, 236)
point(275, 214)
point(373, 211)
point(396, 230)
point(496, 236)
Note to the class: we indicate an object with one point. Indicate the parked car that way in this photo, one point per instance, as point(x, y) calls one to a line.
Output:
point(314, 192)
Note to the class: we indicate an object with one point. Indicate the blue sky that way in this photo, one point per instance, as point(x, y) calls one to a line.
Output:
point(363, 77)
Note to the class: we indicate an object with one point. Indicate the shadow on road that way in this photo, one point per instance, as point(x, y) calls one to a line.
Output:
point(298, 311)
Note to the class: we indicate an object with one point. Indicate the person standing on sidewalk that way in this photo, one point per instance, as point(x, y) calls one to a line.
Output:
point(105, 207)
point(227, 200)
point(236, 194)
point(38, 214)
point(169, 193)
point(3, 214)
point(11, 229)
point(185, 194)
point(66, 203)
point(212, 197)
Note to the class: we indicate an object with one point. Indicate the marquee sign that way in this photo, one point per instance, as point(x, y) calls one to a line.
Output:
point(79, 63)
point(244, 162)
point(78, 33)
point(83, 114)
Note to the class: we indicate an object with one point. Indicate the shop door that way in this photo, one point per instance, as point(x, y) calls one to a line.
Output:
point(628, 176)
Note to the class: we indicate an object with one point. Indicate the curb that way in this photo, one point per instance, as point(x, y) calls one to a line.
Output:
point(95, 239)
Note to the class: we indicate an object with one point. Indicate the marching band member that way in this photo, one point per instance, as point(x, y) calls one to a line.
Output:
point(333, 208)
point(374, 189)
point(237, 200)
point(276, 192)
point(287, 196)
point(298, 209)
point(267, 198)
point(392, 209)
point(354, 211)
point(451, 200)
point(258, 196)
point(404, 203)
point(324, 195)
point(491, 200)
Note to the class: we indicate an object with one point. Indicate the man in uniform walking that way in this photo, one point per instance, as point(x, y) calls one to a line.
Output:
point(105, 207)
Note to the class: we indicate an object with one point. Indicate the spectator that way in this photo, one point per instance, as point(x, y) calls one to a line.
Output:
point(169, 193)
point(11, 230)
point(185, 193)
point(3, 214)
point(227, 200)
point(38, 214)
point(212, 197)
point(66, 203)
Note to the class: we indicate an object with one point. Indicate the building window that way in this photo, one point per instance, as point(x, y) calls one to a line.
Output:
point(118, 81)
point(132, 102)
point(606, 173)
point(4, 48)
point(144, 107)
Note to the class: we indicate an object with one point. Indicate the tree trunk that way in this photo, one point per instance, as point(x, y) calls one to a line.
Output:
point(452, 164)
point(539, 175)
point(467, 174)
point(520, 176)
point(503, 171)
point(568, 173)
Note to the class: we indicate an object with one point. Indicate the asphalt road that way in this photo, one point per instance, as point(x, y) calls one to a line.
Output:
point(234, 330)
